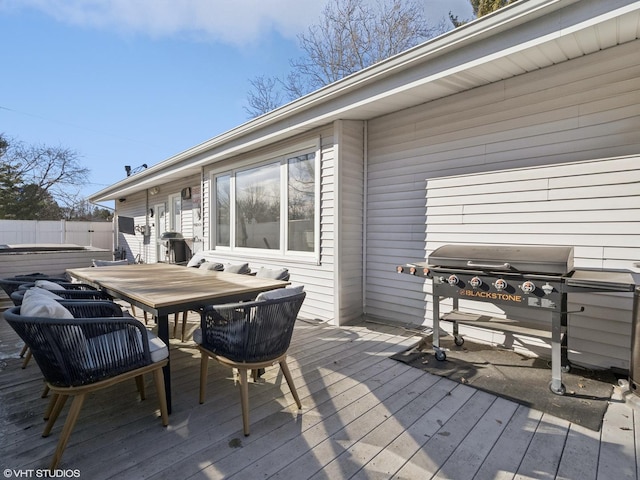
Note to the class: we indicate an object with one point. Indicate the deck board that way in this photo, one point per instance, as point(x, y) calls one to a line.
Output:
point(364, 416)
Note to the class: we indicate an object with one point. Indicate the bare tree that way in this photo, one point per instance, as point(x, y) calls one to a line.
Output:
point(50, 168)
point(266, 96)
point(351, 35)
point(39, 179)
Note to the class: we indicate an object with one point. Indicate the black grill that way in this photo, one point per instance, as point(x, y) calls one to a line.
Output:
point(532, 277)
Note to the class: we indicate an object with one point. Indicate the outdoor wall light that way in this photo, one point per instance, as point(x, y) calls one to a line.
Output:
point(154, 190)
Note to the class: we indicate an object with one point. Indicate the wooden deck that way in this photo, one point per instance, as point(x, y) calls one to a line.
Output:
point(364, 416)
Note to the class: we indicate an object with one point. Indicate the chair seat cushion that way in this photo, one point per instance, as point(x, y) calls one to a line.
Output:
point(197, 336)
point(157, 347)
point(117, 343)
point(279, 293)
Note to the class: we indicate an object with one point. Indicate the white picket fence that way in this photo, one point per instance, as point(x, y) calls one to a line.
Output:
point(86, 234)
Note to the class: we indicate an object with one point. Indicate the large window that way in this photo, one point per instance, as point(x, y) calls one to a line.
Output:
point(271, 206)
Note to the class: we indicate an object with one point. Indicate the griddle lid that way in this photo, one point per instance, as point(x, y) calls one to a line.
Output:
point(552, 260)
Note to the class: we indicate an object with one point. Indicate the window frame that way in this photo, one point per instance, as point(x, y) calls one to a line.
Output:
point(282, 158)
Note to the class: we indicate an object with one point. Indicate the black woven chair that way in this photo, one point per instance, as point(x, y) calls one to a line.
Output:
point(13, 284)
point(71, 293)
point(274, 274)
point(248, 336)
point(61, 285)
point(81, 355)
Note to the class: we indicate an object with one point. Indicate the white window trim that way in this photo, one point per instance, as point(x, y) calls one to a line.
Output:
point(281, 156)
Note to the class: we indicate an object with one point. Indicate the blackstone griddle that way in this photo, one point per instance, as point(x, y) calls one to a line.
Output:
point(531, 277)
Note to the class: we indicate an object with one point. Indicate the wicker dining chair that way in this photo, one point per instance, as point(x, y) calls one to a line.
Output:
point(249, 336)
point(69, 291)
point(78, 356)
point(12, 284)
point(273, 274)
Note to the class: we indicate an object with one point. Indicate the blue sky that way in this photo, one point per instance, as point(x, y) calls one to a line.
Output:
point(127, 82)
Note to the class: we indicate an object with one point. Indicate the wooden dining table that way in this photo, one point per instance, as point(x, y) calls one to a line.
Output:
point(162, 289)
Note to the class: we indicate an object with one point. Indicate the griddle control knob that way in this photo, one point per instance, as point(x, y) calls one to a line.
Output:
point(453, 280)
point(475, 282)
point(528, 287)
point(500, 284)
point(547, 289)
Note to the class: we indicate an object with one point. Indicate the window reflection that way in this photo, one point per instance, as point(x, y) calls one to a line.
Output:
point(258, 207)
point(301, 198)
point(223, 210)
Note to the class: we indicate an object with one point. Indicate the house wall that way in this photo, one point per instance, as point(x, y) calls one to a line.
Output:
point(143, 248)
point(316, 274)
point(579, 110)
point(592, 206)
point(135, 246)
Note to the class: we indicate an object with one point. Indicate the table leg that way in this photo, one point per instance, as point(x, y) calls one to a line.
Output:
point(163, 333)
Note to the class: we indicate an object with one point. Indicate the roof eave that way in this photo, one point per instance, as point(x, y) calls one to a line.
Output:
point(284, 121)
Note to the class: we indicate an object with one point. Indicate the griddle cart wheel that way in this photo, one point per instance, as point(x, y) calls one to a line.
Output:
point(459, 340)
point(441, 355)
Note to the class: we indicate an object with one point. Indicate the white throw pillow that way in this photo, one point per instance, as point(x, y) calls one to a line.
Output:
point(279, 293)
point(48, 285)
point(275, 274)
point(196, 261)
point(242, 268)
point(35, 304)
point(218, 267)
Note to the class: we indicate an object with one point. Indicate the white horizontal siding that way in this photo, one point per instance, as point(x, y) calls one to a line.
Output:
point(601, 333)
point(134, 206)
point(350, 138)
point(318, 279)
point(580, 110)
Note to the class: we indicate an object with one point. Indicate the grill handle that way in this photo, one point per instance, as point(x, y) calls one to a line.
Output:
point(492, 266)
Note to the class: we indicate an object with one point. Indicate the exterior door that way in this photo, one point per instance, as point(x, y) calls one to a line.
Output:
point(160, 223)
